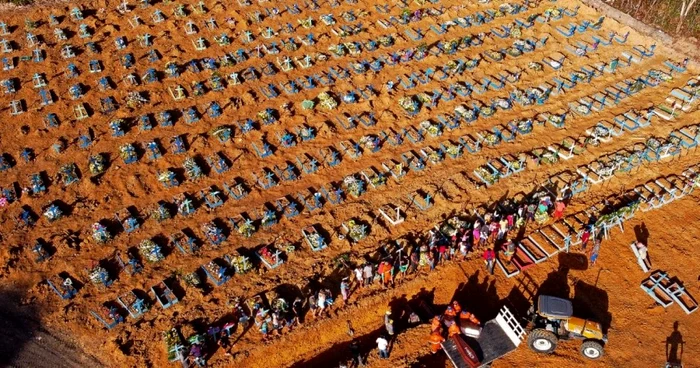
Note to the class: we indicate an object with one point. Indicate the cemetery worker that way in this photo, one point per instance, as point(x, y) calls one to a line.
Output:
point(345, 289)
point(489, 259)
point(368, 274)
point(435, 324)
point(594, 252)
point(389, 323)
point(435, 340)
point(502, 228)
point(559, 207)
point(358, 276)
point(453, 330)
point(356, 354)
point(382, 346)
point(456, 307)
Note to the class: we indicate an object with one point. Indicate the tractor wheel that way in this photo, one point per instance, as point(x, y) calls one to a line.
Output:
point(542, 341)
point(592, 349)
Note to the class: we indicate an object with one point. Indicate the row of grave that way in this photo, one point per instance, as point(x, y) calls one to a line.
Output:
point(146, 40)
point(488, 173)
point(535, 248)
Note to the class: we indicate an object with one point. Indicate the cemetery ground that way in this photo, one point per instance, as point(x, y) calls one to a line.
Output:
point(161, 153)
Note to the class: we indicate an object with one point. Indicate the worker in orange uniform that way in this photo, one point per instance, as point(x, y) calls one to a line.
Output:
point(435, 340)
point(436, 324)
point(457, 308)
point(453, 330)
point(466, 316)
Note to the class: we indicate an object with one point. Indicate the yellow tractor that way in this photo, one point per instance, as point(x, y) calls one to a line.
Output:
point(551, 320)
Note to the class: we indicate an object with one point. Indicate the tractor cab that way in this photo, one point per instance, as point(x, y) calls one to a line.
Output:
point(551, 320)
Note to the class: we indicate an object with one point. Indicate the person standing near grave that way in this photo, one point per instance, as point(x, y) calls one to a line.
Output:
point(382, 346)
point(594, 252)
point(489, 259)
point(389, 323)
point(345, 289)
point(356, 354)
point(559, 207)
point(476, 234)
point(358, 277)
point(368, 274)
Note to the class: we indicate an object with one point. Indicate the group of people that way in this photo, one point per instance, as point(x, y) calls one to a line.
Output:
point(456, 321)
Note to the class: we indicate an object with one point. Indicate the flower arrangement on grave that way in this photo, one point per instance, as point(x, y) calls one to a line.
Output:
point(495, 55)
point(100, 233)
point(353, 186)
point(127, 152)
point(268, 218)
point(516, 32)
point(514, 51)
point(307, 105)
point(97, 164)
point(657, 74)
point(516, 164)
point(356, 231)
point(192, 279)
point(96, 274)
point(165, 176)
point(433, 129)
point(240, 264)
point(246, 229)
point(506, 8)
point(315, 239)
point(337, 50)
point(150, 251)
point(471, 64)
point(161, 213)
point(222, 133)
point(582, 109)
point(524, 126)
point(409, 104)
point(434, 157)
point(486, 175)
point(173, 344)
point(552, 13)
point(352, 48)
point(359, 67)
point(535, 66)
point(269, 254)
point(487, 111)
point(369, 142)
point(501, 103)
point(386, 41)
point(452, 225)
point(490, 138)
point(573, 145)
point(327, 101)
point(549, 158)
point(653, 143)
point(452, 149)
point(557, 120)
point(193, 171)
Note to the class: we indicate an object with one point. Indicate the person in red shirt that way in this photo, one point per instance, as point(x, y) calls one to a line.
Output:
point(489, 259)
point(559, 210)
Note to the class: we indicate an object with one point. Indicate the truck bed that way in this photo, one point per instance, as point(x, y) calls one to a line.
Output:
point(498, 337)
point(491, 344)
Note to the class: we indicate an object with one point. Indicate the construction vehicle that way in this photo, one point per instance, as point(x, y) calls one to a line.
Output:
point(479, 346)
point(551, 320)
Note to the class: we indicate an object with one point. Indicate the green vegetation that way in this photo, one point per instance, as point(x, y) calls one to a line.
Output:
point(665, 14)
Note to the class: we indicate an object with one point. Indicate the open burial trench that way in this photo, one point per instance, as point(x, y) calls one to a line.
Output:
point(473, 106)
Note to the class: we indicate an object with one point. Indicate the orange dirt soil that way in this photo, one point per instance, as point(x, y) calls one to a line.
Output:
point(608, 291)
